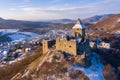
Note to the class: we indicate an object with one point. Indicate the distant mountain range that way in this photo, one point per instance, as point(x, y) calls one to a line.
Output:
point(64, 21)
point(48, 24)
point(93, 19)
point(22, 24)
point(1, 19)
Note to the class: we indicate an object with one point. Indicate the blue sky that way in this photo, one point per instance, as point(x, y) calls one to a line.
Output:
point(56, 9)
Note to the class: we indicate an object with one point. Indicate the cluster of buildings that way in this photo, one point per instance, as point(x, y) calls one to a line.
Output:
point(9, 51)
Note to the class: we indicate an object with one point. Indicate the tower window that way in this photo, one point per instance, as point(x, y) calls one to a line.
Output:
point(70, 46)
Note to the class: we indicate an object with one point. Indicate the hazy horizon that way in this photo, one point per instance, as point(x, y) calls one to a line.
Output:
point(34, 10)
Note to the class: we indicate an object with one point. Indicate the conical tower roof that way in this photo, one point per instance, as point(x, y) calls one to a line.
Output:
point(79, 24)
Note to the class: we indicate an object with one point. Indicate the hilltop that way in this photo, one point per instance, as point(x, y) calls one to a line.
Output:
point(111, 24)
point(97, 18)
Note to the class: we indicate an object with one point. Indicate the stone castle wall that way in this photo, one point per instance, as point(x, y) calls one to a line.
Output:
point(67, 46)
point(45, 46)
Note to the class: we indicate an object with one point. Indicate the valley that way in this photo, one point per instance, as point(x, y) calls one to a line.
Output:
point(21, 49)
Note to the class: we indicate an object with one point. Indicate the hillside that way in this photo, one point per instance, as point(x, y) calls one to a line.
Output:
point(59, 69)
point(97, 18)
point(111, 24)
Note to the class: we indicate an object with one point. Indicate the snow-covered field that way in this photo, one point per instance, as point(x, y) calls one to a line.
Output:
point(17, 37)
point(15, 34)
point(23, 35)
point(9, 30)
point(1, 56)
point(95, 71)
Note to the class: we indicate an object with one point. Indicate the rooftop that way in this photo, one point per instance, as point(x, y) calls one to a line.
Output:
point(79, 24)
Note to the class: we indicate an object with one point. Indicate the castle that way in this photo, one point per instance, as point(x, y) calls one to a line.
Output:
point(76, 44)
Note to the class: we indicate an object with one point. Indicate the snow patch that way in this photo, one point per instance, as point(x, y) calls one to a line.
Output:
point(1, 56)
point(118, 20)
point(95, 71)
point(6, 31)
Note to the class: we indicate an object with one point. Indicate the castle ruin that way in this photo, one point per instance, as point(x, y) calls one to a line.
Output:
point(47, 44)
point(77, 44)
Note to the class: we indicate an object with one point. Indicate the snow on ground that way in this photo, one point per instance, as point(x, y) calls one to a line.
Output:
point(32, 35)
point(16, 60)
point(15, 34)
point(95, 71)
point(118, 20)
point(6, 31)
point(9, 30)
point(1, 56)
point(117, 32)
point(57, 33)
point(17, 37)
point(23, 35)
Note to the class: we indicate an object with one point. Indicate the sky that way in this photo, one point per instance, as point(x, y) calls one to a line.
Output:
point(35, 10)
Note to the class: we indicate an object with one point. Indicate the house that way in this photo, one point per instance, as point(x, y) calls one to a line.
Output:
point(104, 45)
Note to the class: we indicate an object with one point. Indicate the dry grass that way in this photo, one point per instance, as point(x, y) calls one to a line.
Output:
point(9, 71)
point(35, 63)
